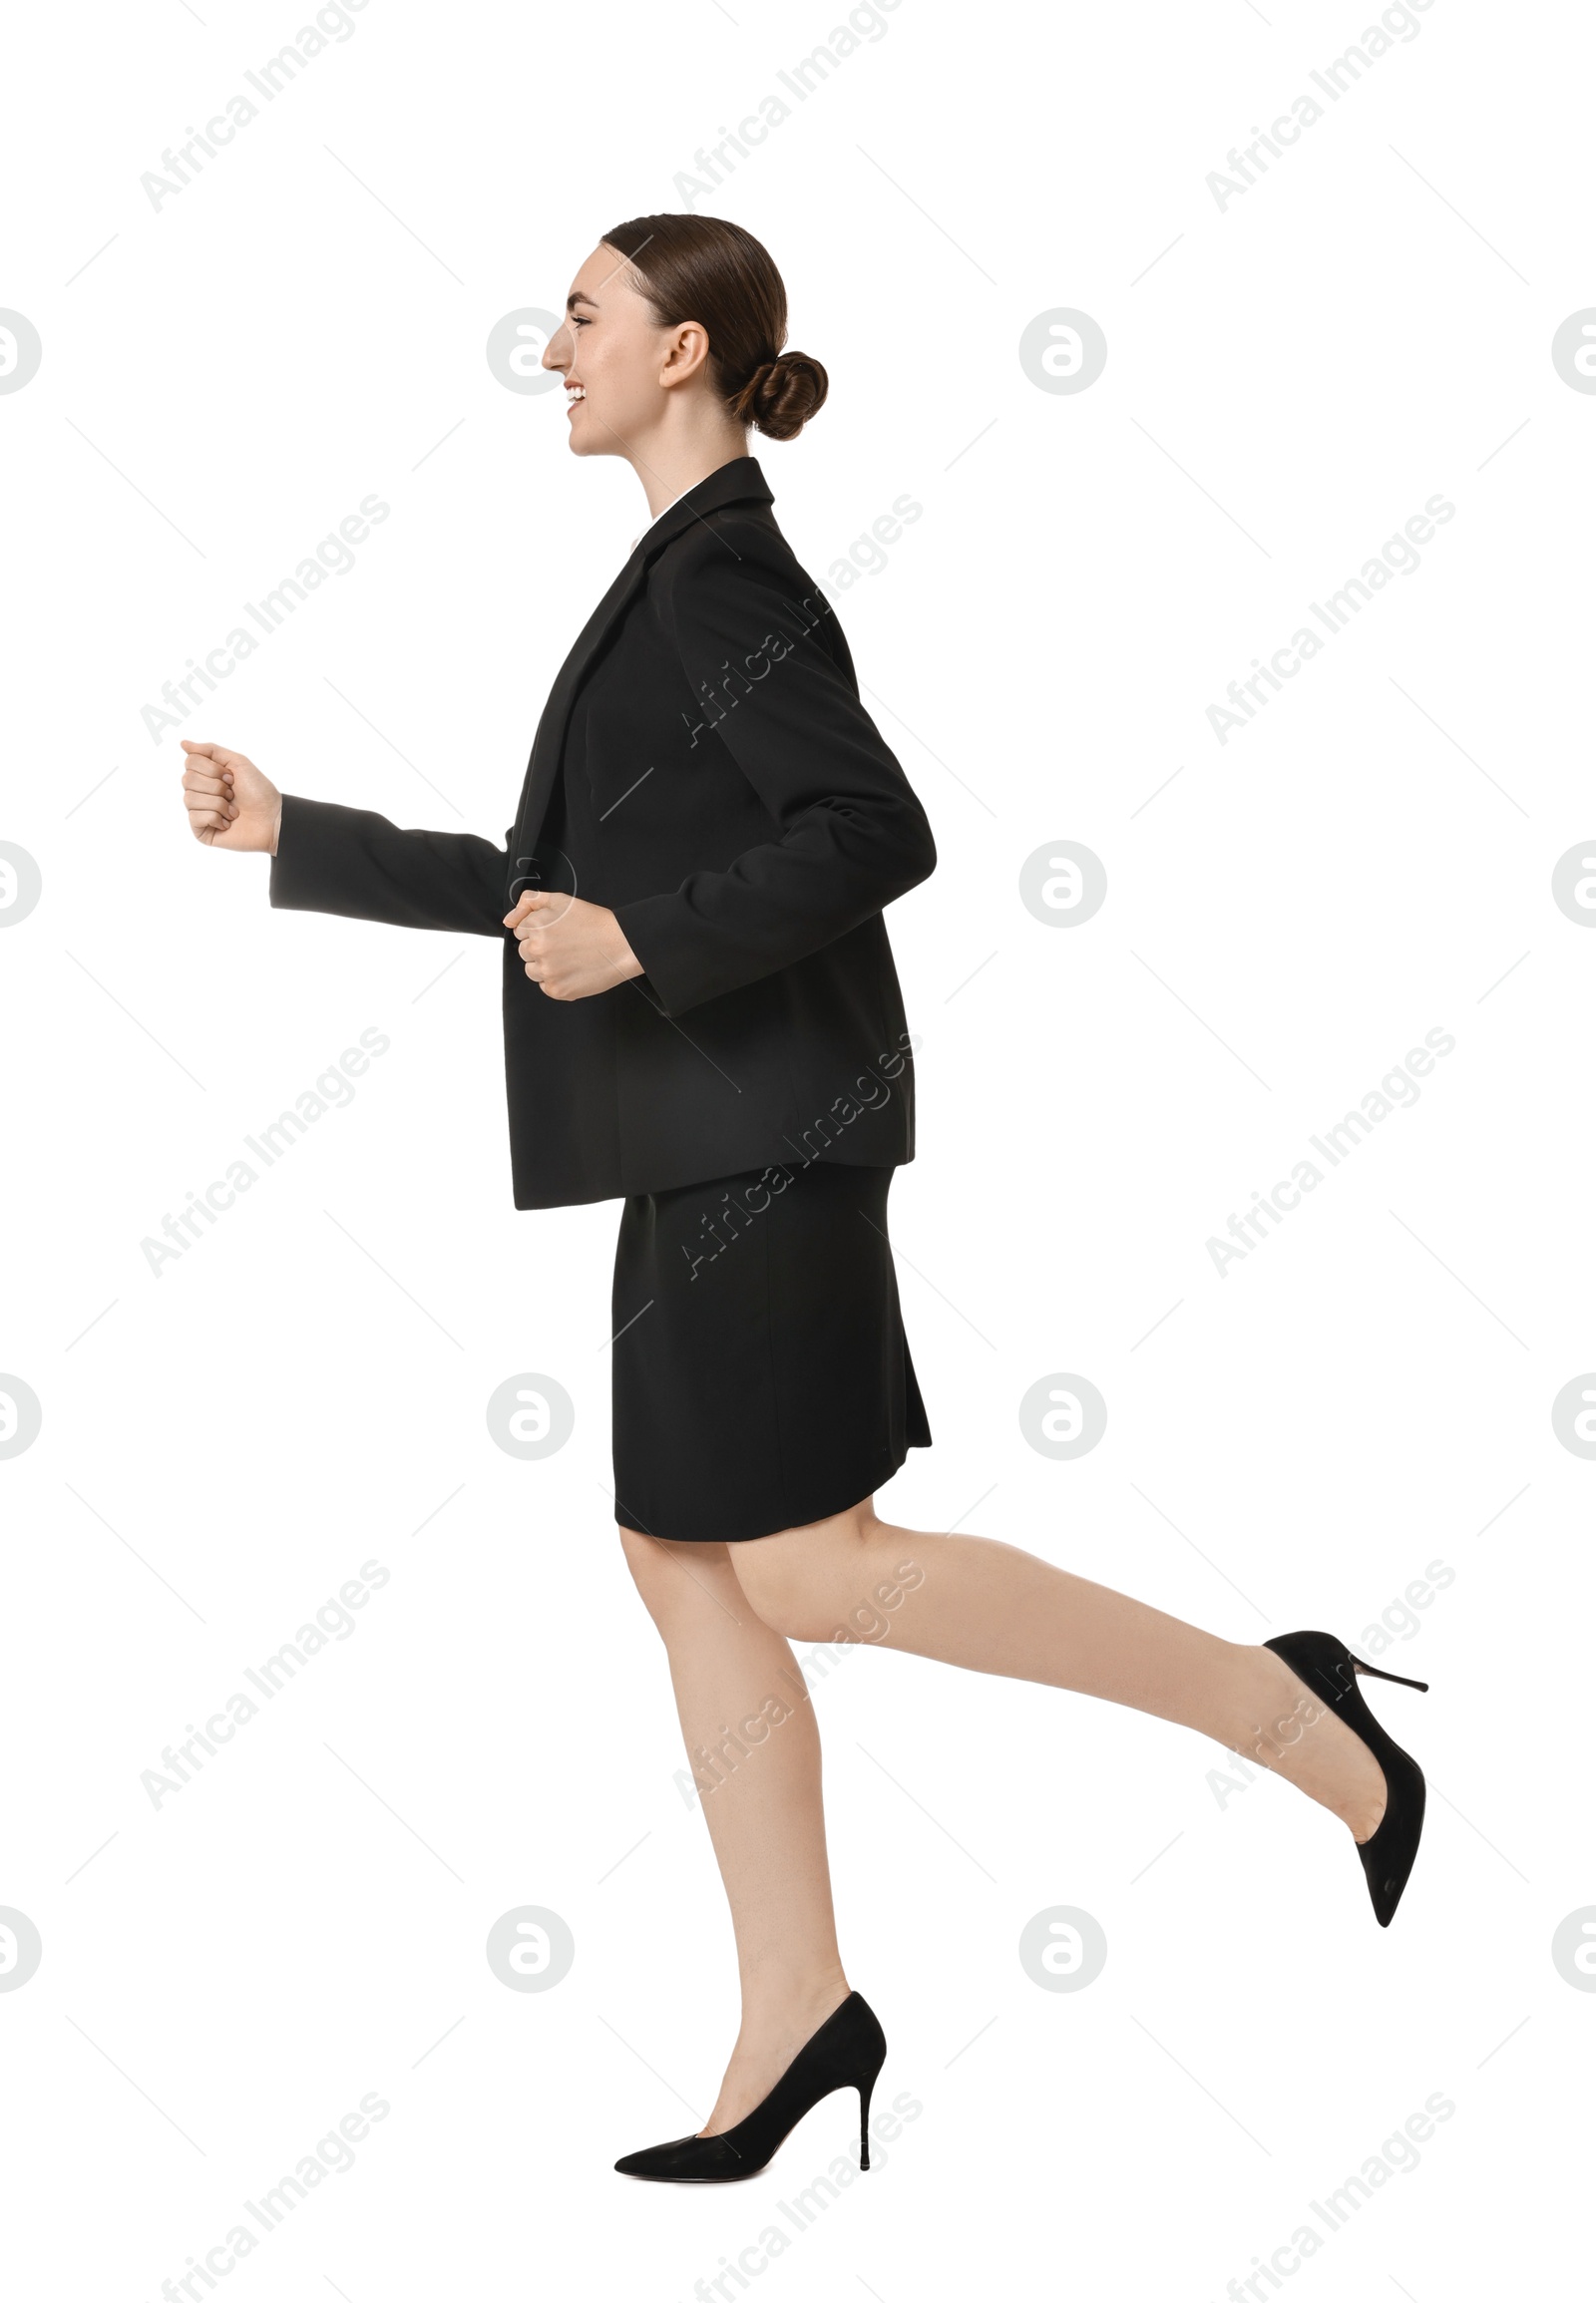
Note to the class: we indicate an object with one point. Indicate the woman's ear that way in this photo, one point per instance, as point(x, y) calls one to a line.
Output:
point(687, 354)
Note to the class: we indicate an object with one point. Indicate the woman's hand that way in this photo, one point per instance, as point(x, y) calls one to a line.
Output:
point(572, 948)
point(230, 803)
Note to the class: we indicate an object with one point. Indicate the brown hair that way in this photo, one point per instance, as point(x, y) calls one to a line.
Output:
point(698, 267)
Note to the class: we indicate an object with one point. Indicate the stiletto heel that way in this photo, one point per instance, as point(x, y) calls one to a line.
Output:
point(1328, 1666)
point(864, 2121)
point(1374, 1672)
point(847, 2051)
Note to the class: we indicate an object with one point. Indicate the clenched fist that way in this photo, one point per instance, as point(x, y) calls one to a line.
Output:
point(572, 950)
point(230, 803)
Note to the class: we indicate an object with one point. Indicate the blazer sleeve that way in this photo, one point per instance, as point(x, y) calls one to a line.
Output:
point(850, 834)
point(343, 859)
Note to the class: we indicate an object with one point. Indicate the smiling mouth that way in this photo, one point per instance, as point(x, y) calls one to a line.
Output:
point(574, 395)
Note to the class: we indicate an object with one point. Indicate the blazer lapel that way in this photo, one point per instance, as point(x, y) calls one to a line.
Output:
point(739, 481)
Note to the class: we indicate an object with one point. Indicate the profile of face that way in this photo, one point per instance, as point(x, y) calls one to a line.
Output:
point(620, 365)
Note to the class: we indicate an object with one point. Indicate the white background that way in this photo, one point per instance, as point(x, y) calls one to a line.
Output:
point(1369, 1392)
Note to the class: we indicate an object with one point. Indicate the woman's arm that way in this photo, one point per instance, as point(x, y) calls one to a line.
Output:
point(344, 860)
point(774, 685)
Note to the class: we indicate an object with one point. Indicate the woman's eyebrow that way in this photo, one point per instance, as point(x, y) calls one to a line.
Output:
point(581, 296)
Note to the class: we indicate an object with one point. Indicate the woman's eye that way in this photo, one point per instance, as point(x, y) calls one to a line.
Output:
point(577, 322)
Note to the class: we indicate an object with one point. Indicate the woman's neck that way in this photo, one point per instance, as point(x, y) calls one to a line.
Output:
point(668, 467)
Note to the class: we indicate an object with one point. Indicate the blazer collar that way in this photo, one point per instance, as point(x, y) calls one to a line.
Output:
point(733, 483)
point(738, 482)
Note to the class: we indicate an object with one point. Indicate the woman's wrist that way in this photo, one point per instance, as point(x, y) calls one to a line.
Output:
point(625, 959)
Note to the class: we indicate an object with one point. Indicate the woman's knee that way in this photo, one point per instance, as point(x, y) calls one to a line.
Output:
point(800, 1582)
point(671, 1587)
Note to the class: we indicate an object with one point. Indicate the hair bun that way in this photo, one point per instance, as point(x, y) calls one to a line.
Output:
point(781, 395)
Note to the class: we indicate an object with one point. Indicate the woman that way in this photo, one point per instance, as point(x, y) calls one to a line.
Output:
point(702, 1019)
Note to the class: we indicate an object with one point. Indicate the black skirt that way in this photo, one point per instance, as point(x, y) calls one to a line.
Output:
point(761, 1377)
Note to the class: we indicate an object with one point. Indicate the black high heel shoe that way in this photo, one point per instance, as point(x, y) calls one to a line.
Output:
point(847, 2051)
point(1327, 1665)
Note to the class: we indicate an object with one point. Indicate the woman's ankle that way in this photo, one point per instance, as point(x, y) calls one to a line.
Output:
point(1285, 1727)
point(1273, 1710)
point(778, 2004)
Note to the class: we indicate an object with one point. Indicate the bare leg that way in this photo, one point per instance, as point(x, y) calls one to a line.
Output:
point(754, 1748)
point(725, 1613)
point(991, 1608)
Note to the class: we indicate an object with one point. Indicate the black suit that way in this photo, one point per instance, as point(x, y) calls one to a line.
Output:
point(704, 768)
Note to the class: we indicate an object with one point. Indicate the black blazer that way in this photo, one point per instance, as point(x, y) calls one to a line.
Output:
point(703, 767)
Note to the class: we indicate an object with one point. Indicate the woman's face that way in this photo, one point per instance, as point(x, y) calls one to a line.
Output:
point(618, 362)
